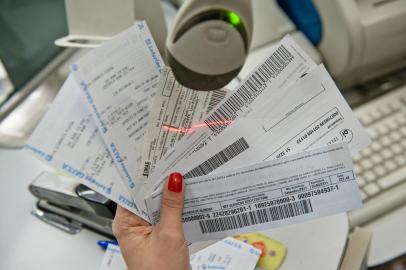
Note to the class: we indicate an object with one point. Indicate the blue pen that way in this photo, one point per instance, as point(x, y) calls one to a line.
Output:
point(104, 243)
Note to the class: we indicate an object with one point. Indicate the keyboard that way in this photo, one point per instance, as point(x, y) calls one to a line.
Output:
point(381, 168)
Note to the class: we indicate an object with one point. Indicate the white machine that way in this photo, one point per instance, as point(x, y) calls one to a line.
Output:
point(362, 39)
point(363, 44)
point(209, 42)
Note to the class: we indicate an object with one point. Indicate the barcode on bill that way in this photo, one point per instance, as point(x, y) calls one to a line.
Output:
point(256, 217)
point(219, 159)
point(216, 97)
point(248, 91)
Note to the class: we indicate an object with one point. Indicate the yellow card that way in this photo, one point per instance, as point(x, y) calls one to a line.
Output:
point(273, 252)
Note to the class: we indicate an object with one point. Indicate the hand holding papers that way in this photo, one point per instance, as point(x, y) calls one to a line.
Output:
point(121, 124)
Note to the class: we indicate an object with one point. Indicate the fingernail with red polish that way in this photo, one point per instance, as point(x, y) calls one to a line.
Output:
point(175, 182)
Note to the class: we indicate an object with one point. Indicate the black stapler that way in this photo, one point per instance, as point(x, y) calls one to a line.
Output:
point(69, 205)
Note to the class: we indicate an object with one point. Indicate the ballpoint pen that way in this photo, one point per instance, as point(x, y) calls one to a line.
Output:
point(104, 243)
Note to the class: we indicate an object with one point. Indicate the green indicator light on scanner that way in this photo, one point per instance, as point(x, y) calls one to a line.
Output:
point(234, 18)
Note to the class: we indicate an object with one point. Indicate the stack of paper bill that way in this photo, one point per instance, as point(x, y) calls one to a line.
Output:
point(227, 254)
point(274, 151)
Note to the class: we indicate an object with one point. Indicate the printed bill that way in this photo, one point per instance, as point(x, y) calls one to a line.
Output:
point(69, 140)
point(269, 194)
point(176, 111)
point(118, 80)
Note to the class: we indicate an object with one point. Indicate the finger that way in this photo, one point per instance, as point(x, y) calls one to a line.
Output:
point(172, 203)
point(125, 220)
point(130, 217)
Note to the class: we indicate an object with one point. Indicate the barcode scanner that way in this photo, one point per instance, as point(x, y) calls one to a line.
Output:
point(209, 42)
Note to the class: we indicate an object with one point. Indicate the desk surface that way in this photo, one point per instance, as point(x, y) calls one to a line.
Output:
point(28, 243)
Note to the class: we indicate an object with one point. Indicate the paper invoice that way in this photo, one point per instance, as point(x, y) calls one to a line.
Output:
point(310, 114)
point(176, 110)
point(275, 122)
point(269, 194)
point(68, 139)
point(281, 69)
point(118, 80)
point(226, 254)
point(113, 260)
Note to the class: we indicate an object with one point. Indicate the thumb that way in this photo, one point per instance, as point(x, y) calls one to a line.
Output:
point(172, 203)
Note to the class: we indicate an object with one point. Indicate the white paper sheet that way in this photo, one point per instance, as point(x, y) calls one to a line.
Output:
point(118, 80)
point(269, 194)
point(175, 111)
point(68, 139)
point(285, 65)
point(310, 114)
point(227, 254)
point(113, 260)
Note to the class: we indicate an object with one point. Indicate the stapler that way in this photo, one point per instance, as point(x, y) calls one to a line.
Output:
point(68, 205)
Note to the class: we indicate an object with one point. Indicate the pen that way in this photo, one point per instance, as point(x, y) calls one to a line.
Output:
point(104, 243)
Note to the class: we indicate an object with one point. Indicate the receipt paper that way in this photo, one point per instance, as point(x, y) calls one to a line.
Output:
point(226, 254)
point(282, 68)
point(118, 80)
point(69, 140)
point(282, 108)
point(176, 111)
point(270, 194)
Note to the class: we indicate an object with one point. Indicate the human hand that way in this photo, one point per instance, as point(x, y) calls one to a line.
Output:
point(163, 246)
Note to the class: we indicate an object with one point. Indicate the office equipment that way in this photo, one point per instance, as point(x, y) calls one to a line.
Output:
point(362, 39)
point(65, 203)
point(363, 47)
point(60, 222)
point(105, 243)
point(67, 193)
point(209, 41)
point(381, 168)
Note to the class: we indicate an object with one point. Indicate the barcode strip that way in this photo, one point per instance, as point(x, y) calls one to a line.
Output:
point(256, 217)
point(219, 159)
point(247, 92)
point(216, 97)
